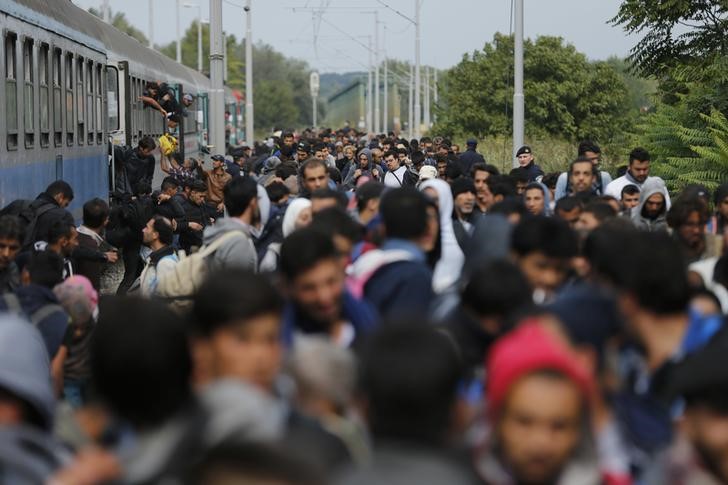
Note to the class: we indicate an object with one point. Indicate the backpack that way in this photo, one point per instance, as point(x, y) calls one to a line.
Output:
point(28, 215)
point(188, 275)
point(13, 306)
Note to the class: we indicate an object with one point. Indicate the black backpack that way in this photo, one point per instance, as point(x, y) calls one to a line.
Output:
point(28, 216)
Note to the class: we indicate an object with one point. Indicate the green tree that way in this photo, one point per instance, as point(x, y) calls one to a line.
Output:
point(676, 32)
point(565, 95)
point(119, 21)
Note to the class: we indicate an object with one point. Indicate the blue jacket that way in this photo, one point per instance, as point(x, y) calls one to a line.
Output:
point(359, 313)
point(469, 158)
point(402, 288)
point(53, 327)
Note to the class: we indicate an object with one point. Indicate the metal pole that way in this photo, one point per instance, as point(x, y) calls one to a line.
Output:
point(151, 24)
point(411, 102)
point(427, 98)
point(518, 102)
point(224, 58)
point(249, 126)
point(370, 104)
point(179, 35)
point(217, 94)
point(377, 116)
point(417, 108)
point(106, 12)
point(315, 112)
point(199, 37)
point(436, 98)
point(386, 87)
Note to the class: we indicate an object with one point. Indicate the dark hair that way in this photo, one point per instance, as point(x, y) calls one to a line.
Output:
point(601, 211)
point(501, 185)
point(169, 183)
point(147, 143)
point(286, 169)
point(143, 188)
point(342, 200)
point(252, 463)
point(408, 374)
point(550, 180)
point(630, 189)
point(537, 186)
point(588, 146)
point(453, 171)
point(140, 360)
point(174, 117)
point(95, 213)
point(60, 187)
point(639, 154)
point(368, 191)
point(404, 211)
point(163, 227)
point(198, 186)
point(218, 302)
point(681, 210)
point(238, 194)
point(335, 221)
point(519, 174)
point(508, 206)
point(483, 167)
point(58, 230)
point(276, 191)
point(496, 289)
point(312, 163)
point(319, 146)
point(552, 237)
point(45, 268)
point(390, 153)
point(11, 228)
point(303, 249)
point(580, 159)
point(568, 204)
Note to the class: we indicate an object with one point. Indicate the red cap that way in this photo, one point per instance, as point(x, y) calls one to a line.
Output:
point(528, 349)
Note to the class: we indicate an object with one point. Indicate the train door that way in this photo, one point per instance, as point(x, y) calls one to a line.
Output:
point(116, 127)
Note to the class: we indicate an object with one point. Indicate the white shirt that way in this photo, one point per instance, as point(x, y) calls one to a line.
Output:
point(395, 179)
point(615, 187)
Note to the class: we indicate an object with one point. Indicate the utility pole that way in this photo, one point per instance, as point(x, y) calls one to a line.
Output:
point(106, 11)
point(427, 98)
point(314, 85)
point(417, 108)
point(224, 58)
point(436, 98)
point(217, 94)
point(411, 102)
point(386, 85)
point(249, 126)
point(370, 104)
point(518, 100)
point(151, 24)
point(377, 116)
point(179, 35)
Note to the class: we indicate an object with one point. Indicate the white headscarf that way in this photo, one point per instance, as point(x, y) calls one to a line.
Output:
point(450, 264)
point(294, 209)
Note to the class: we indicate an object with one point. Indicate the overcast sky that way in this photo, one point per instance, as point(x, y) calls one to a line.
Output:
point(449, 27)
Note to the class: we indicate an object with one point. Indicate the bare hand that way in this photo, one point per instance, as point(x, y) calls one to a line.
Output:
point(111, 256)
point(90, 466)
point(163, 197)
point(357, 173)
point(220, 207)
point(195, 226)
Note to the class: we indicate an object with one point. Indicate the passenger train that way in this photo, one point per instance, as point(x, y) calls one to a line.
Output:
point(71, 87)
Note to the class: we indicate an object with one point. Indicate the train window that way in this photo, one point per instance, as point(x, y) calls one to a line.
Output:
point(112, 97)
point(44, 100)
point(11, 91)
point(97, 104)
point(90, 102)
point(80, 111)
point(69, 99)
point(57, 98)
point(28, 93)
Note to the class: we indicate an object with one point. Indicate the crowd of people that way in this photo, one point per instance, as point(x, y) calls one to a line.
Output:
point(331, 307)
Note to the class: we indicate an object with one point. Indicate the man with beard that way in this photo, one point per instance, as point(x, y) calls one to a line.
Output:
point(11, 239)
point(638, 173)
point(687, 220)
point(318, 300)
point(464, 217)
point(649, 215)
point(243, 213)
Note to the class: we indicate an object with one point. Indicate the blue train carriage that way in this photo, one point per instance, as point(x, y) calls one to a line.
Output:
point(53, 107)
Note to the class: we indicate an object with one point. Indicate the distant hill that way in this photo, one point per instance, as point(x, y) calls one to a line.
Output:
point(331, 83)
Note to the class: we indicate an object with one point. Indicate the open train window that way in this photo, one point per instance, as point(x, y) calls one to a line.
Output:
point(28, 93)
point(97, 104)
point(69, 99)
point(43, 81)
point(112, 97)
point(90, 102)
point(11, 90)
point(80, 112)
point(57, 98)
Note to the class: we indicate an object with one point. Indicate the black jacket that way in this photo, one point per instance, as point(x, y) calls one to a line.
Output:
point(133, 167)
point(469, 158)
point(193, 213)
point(49, 213)
point(171, 209)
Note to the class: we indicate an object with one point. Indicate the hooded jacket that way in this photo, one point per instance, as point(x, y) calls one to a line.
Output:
point(615, 186)
point(450, 265)
point(350, 179)
point(650, 188)
point(237, 252)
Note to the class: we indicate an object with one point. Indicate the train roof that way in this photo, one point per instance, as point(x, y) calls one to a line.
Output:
point(71, 21)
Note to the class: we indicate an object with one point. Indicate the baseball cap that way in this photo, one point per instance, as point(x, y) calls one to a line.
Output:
point(218, 158)
point(525, 149)
point(188, 97)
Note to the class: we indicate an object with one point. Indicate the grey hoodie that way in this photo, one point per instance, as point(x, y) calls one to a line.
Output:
point(238, 252)
point(651, 187)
